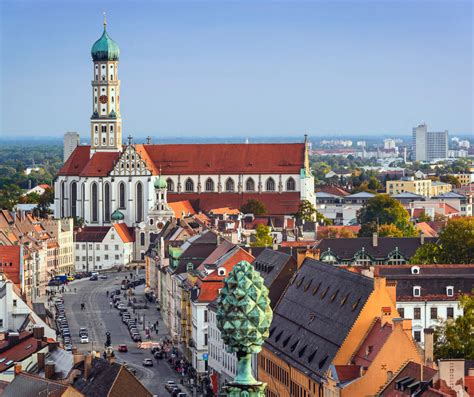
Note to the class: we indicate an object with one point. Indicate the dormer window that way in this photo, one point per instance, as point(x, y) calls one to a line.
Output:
point(221, 271)
point(450, 291)
point(417, 291)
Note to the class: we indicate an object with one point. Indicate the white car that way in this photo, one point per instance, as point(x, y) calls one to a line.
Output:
point(84, 339)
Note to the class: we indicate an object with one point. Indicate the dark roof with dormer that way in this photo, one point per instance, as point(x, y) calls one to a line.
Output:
point(269, 264)
point(315, 314)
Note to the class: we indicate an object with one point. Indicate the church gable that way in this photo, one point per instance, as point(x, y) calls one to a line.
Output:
point(131, 163)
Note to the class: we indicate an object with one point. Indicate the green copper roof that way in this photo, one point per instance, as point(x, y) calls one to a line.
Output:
point(105, 49)
point(117, 216)
point(160, 183)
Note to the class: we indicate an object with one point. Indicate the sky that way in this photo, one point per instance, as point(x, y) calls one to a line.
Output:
point(241, 68)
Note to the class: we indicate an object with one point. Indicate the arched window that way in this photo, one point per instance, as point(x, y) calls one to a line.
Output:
point(94, 203)
point(139, 202)
point(290, 185)
point(250, 185)
point(122, 195)
point(106, 202)
point(229, 185)
point(170, 185)
point(74, 199)
point(83, 199)
point(63, 198)
point(270, 185)
point(189, 185)
point(209, 185)
point(142, 238)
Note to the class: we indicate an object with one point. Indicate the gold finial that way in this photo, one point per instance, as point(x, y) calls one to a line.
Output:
point(105, 20)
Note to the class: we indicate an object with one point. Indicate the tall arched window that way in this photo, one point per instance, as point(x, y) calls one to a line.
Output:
point(63, 199)
point(139, 202)
point(83, 200)
point(74, 199)
point(270, 185)
point(122, 195)
point(170, 185)
point(209, 185)
point(189, 185)
point(250, 185)
point(290, 184)
point(142, 238)
point(229, 185)
point(106, 202)
point(94, 203)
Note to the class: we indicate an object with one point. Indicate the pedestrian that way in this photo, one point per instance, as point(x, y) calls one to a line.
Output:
point(74, 290)
point(156, 330)
point(111, 304)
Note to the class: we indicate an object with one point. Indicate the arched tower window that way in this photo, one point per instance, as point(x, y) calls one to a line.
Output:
point(142, 238)
point(106, 202)
point(250, 185)
point(94, 203)
point(63, 198)
point(170, 185)
point(270, 185)
point(122, 195)
point(139, 202)
point(229, 185)
point(74, 199)
point(290, 185)
point(209, 185)
point(189, 185)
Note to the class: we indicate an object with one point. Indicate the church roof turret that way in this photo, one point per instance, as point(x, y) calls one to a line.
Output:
point(105, 49)
point(117, 216)
point(160, 182)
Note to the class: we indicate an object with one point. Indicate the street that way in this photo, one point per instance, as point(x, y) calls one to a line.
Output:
point(98, 317)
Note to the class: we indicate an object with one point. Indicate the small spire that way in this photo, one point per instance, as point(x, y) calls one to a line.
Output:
point(130, 139)
point(148, 140)
point(105, 20)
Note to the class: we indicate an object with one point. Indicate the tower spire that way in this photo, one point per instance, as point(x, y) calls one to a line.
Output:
point(105, 20)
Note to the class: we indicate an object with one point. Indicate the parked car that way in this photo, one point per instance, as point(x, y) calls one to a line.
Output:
point(70, 278)
point(54, 283)
point(84, 338)
point(123, 348)
point(170, 385)
point(148, 362)
point(103, 277)
point(136, 338)
point(93, 278)
point(82, 331)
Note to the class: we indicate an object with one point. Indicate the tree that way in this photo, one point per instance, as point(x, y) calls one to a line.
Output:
point(45, 200)
point(263, 238)
point(389, 231)
point(308, 213)
point(374, 184)
point(9, 196)
point(253, 206)
point(451, 179)
point(424, 217)
point(453, 338)
point(384, 210)
point(32, 198)
point(455, 244)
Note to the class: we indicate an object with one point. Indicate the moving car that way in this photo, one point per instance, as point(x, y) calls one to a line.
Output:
point(123, 348)
point(147, 362)
point(103, 277)
point(84, 339)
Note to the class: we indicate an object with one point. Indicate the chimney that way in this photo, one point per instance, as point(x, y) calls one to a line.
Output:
point(470, 372)
point(17, 368)
point(49, 370)
point(87, 366)
point(38, 332)
point(422, 238)
point(13, 338)
point(375, 240)
point(77, 358)
point(74, 350)
point(428, 334)
point(40, 357)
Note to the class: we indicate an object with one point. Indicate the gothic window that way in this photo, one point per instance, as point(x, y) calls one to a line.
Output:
point(290, 184)
point(209, 185)
point(94, 203)
point(229, 185)
point(189, 185)
point(139, 202)
point(250, 185)
point(170, 185)
point(122, 195)
point(106, 202)
point(63, 198)
point(74, 199)
point(142, 238)
point(270, 185)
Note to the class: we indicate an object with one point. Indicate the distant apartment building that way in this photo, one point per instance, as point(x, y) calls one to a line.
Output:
point(71, 141)
point(427, 145)
point(423, 187)
point(465, 179)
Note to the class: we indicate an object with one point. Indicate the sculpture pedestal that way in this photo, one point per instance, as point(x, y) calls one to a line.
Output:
point(239, 390)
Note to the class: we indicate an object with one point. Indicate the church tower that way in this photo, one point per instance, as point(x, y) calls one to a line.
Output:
point(106, 122)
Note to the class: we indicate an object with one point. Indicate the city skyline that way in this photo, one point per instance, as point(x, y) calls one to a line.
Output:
point(241, 69)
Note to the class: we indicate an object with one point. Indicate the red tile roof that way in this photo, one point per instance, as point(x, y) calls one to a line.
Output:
point(182, 207)
point(336, 190)
point(346, 373)
point(426, 229)
point(372, 344)
point(228, 265)
point(469, 382)
point(125, 232)
point(209, 290)
point(308, 243)
point(27, 346)
point(92, 234)
point(186, 159)
point(10, 262)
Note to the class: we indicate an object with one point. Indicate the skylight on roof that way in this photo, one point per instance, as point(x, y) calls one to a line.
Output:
point(2, 359)
point(315, 289)
point(277, 338)
point(323, 294)
point(271, 332)
point(293, 346)
point(333, 296)
point(308, 285)
point(311, 356)
point(344, 299)
point(354, 306)
point(285, 342)
point(323, 361)
point(302, 350)
point(300, 281)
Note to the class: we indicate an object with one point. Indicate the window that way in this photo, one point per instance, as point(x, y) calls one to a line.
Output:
point(221, 271)
point(77, 259)
point(250, 185)
point(417, 313)
point(94, 204)
point(229, 185)
point(205, 316)
point(209, 185)
point(189, 185)
point(142, 238)
point(434, 313)
point(205, 340)
point(83, 258)
point(417, 336)
point(416, 291)
point(290, 184)
point(122, 195)
point(116, 247)
point(170, 185)
point(401, 311)
point(107, 203)
point(450, 291)
point(97, 258)
point(116, 257)
point(106, 257)
point(14, 302)
point(74, 199)
point(270, 185)
point(112, 236)
point(449, 312)
point(106, 247)
point(139, 202)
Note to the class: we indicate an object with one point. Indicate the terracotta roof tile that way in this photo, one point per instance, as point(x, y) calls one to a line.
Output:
point(182, 207)
point(346, 373)
point(100, 164)
point(10, 262)
point(76, 161)
point(125, 232)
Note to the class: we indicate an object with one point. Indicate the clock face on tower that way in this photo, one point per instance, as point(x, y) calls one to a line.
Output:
point(103, 99)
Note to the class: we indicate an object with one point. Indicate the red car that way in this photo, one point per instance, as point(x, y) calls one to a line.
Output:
point(123, 348)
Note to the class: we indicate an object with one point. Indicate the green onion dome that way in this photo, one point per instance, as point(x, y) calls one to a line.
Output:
point(160, 183)
point(117, 216)
point(105, 49)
